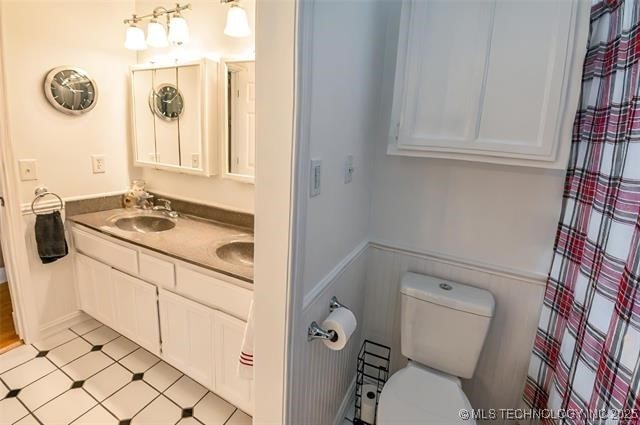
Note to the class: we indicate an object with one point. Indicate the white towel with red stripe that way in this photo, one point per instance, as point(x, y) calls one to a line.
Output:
point(245, 363)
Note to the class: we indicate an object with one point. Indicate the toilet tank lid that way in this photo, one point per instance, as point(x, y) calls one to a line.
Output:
point(448, 294)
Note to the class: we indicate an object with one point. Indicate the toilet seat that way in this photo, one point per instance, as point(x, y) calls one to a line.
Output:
point(416, 395)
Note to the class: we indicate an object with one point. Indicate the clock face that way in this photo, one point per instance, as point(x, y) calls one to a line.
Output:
point(167, 102)
point(70, 90)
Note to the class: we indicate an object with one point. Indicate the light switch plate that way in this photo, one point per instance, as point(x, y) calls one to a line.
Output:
point(28, 169)
point(316, 168)
point(98, 164)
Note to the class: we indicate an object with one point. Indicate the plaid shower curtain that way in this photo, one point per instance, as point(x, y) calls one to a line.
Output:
point(585, 365)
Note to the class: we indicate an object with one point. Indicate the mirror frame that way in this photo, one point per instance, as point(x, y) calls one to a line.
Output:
point(209, 72)
point(224, 115)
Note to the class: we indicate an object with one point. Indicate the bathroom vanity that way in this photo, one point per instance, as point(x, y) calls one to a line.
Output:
point(181, 287)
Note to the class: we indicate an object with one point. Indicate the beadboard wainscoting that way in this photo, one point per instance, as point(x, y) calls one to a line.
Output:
point(322, 377)
point(502, 368)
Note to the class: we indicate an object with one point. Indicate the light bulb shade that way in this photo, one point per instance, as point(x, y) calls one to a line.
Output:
point(178, 30)
point(237, 23)
point(135, 38)
point(156, 35)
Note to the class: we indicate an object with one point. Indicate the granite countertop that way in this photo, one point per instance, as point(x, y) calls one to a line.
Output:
point(193, 240)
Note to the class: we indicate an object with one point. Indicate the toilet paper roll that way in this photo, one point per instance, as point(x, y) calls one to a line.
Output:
point(368, 403)
point(343, 322)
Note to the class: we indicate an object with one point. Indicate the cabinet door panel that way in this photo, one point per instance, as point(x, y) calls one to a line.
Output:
point(137, 310)
point(144, 130)
point(445, 69)
point(190, 83)
point(86, 284)
point(228, 333)
point(167, 132)
point(525, 74)
point(95, 289)
point(186, 329)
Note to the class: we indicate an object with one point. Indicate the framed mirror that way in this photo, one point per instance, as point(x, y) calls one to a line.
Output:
point(237, 104)
point(175, 117)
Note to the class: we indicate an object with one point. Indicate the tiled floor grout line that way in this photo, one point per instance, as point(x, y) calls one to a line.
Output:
point(44, 353)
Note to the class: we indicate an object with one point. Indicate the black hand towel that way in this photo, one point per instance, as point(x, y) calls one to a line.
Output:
point(52, 244)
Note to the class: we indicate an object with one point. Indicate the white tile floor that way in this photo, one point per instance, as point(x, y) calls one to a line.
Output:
point(92, 375)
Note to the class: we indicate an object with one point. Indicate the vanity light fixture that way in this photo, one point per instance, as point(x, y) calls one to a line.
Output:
point(135, 36)
point(156, 34)
point(237, 23)
point(156, 31)
point(178, 30)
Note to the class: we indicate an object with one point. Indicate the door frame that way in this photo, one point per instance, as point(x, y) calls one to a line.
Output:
point(275, 29)
point(12, 226)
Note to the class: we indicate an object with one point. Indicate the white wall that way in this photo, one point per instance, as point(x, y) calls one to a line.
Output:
point(206, 21)
point(41, 35)
point(497, 215)
point(344, 82)
point(339, 78)
point(38, 36)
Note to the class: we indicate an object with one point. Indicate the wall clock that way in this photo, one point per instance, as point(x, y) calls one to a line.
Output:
point(70, 90)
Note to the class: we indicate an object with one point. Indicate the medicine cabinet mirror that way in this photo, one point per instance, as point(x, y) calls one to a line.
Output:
point(237, 103)
point(174, 116)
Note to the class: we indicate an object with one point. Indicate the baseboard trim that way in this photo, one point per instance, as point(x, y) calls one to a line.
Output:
point(335, 273)
point(63, 323)
point(521, 275)
point(346, 401)
point(3, 275)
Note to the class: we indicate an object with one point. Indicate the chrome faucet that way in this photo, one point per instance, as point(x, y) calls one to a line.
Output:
point(166, 208)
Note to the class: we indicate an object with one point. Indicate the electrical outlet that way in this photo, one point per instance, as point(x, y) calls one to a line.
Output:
point(28, 169)
point(316, 166)
point(195, 160)
point(348, 169)
point(98, 164)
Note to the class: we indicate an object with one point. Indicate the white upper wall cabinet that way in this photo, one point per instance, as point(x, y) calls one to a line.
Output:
point(488, 80)
point(174, 116)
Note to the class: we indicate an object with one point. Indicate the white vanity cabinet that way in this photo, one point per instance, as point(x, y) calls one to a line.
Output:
point(193, 318)
point(187, 338)
point(96, 292)
point(118, 300)
point(136, 310)
point(488, 80)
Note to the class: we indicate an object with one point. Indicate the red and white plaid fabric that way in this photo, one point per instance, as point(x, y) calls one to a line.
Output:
point(585, 364)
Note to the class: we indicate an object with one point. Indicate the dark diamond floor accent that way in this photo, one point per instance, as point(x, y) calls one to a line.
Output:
point(42, 353)
point(137, 376)
point(124, 422)
point(13, 393)
point(77, 384)
point(187, 413)
point(96, 348)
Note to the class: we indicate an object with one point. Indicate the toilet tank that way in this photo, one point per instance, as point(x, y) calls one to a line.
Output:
point(443, 323)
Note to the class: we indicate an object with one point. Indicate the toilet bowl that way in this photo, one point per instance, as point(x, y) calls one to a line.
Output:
point(417, 395)
point(443, 328)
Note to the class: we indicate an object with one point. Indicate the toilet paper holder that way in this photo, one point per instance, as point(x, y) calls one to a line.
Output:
point(316, 332)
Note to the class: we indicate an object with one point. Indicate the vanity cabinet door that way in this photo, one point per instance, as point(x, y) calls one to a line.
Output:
point(136, 310)
point(228, 334)
point(95, 289)
point(186, 328)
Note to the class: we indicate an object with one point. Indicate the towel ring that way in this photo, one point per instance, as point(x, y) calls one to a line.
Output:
point(40, 193)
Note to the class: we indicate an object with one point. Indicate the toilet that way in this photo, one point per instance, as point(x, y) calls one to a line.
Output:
point(443, 328)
